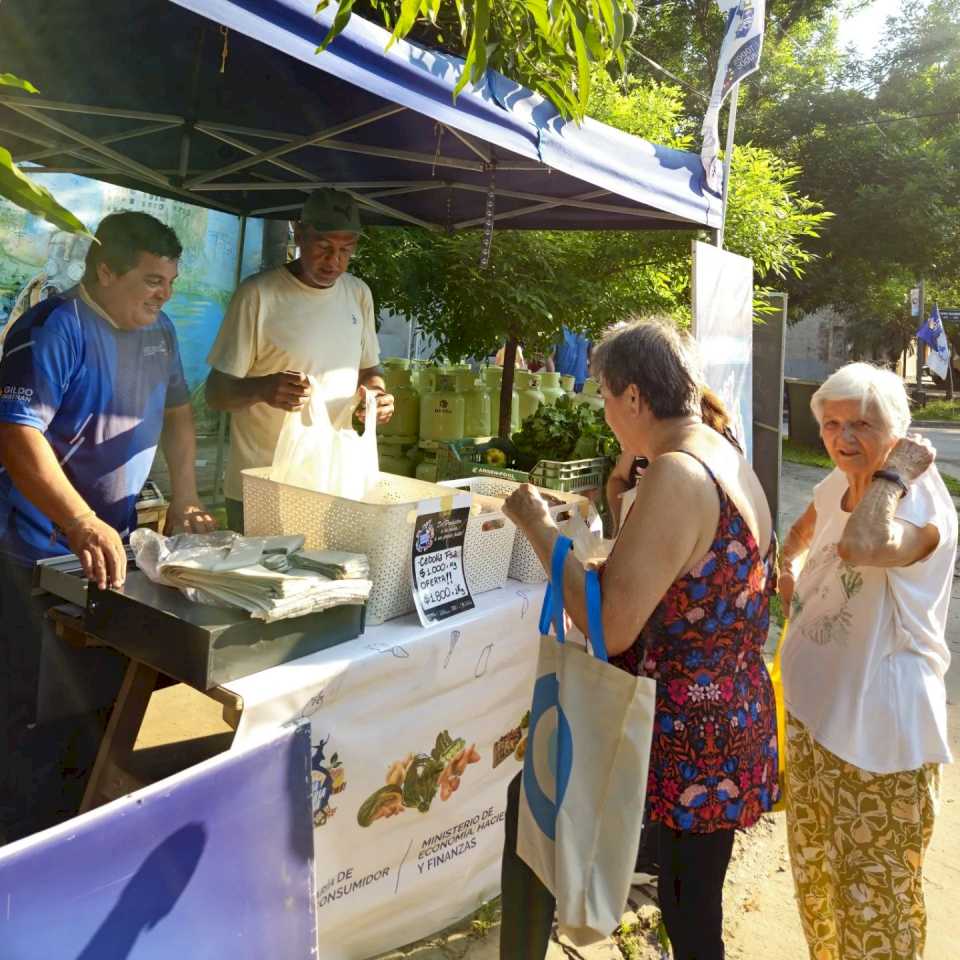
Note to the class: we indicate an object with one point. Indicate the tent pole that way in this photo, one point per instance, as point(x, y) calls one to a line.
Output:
point(222, 419)
point(506, 387)
point(728, 159)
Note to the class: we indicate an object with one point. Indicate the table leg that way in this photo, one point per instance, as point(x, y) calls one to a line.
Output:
point(109, 777)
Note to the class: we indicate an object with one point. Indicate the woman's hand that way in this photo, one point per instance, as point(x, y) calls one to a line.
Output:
point(623, 470)
point(526, 508)
point(786, 582)
point(910, 456)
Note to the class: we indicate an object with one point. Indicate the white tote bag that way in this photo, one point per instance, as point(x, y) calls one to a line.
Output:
point(585, 769)
point(327, 457)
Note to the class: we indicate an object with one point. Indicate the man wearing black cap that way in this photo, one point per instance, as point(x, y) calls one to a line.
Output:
point(307, 318)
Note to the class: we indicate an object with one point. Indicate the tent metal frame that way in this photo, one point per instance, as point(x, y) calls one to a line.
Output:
point(98, 158)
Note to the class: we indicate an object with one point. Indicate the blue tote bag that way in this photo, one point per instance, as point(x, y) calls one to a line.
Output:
point(585, 768)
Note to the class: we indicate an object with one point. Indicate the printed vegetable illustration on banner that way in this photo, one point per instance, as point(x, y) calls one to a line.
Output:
point(415, 780)
point(512, 743)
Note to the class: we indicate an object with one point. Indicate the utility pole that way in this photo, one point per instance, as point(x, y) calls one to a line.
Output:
point(728, 161)
point(921, 347)
point(949, 361)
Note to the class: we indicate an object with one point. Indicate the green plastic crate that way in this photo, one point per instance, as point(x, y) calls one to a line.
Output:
point(465, 458)
point(572, 476)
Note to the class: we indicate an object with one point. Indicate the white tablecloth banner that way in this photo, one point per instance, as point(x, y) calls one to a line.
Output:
point(372, 704)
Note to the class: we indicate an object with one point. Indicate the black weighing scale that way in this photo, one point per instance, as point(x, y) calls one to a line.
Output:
point(201, 645)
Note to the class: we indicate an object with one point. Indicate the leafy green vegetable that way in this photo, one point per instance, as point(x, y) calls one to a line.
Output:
point(563, 431)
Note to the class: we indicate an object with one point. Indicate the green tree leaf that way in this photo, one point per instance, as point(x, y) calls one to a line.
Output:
point(9, 80)
point(25, 193)
point(540, 43)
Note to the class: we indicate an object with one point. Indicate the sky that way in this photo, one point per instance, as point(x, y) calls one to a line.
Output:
point(864, 29)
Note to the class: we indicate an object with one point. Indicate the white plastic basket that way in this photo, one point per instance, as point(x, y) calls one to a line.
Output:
point(524, 563)
point(381, 526)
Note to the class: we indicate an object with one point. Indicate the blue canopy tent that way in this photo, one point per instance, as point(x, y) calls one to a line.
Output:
point(226, 103)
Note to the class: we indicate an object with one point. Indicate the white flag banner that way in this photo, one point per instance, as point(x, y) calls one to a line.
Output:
point(931, 332)
point(739, 57)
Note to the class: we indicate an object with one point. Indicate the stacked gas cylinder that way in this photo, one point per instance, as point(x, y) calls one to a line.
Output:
point(436, 405)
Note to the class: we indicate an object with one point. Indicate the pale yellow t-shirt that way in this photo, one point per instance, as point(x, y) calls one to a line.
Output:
point(275, 323)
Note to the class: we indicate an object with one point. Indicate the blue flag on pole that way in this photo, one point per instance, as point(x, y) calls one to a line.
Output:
point(931, 333)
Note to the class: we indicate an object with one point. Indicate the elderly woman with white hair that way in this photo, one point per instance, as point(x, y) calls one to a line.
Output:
point(866, 573)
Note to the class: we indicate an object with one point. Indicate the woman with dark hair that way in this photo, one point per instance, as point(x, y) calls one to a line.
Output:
point(630, 466)
point(685, 600)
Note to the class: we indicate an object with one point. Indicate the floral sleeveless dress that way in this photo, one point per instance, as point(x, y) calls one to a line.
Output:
point(713, 761)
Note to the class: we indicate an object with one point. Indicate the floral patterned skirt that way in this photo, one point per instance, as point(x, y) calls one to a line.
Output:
point(857, 842)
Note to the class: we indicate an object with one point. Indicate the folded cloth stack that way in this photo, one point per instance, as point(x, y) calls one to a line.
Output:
point(266, 576)
point(335, 564)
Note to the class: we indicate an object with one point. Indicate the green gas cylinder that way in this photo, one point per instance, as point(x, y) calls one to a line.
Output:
point(394, 455)
point(476, 396)
point(493, 377)
point(591, 394)
point(405, 422)
point(442, 411)
point(550, 388)
point(427, 468)
point(428, 378)
point(391, 366)
point(529, 389)
point(568, 381)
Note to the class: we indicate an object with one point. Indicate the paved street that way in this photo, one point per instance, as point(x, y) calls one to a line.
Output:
point(947, 442)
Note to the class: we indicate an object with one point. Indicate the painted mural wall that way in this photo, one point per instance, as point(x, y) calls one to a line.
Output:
point(36, 257)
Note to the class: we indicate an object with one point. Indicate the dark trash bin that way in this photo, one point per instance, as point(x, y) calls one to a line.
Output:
point(804, 428)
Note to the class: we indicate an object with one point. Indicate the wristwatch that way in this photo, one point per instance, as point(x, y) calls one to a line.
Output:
point(893, 477)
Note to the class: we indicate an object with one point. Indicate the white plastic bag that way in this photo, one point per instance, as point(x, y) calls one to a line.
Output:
point(327, 457)
point(589, 547)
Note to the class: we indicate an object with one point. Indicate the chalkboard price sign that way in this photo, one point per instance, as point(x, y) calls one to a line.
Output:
point(440, 588)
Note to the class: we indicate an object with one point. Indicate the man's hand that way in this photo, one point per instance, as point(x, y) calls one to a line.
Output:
point(289, 390)
point(100, 549)
point(188, 515)
point(385, 403)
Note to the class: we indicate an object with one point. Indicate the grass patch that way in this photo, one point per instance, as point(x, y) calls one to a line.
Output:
point(776, 611)
point(809, 456)
point(485, 919)
point(952, 484)
point(938, 410)
point(635, 940)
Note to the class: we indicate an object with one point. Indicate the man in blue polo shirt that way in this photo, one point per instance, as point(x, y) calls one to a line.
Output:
point(90, 382)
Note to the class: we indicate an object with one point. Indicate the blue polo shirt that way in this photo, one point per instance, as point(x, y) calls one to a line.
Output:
point(98, 394)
